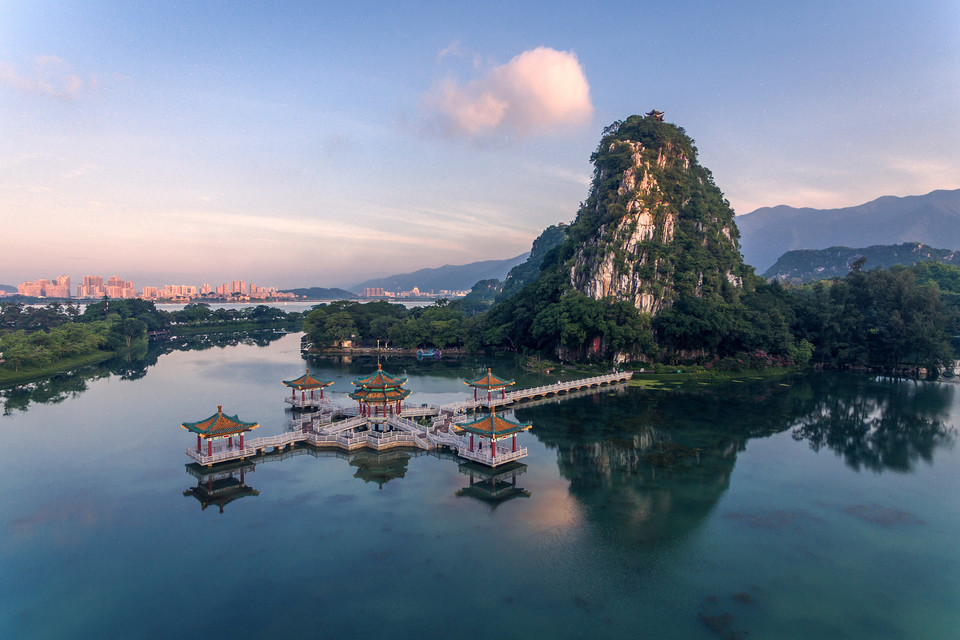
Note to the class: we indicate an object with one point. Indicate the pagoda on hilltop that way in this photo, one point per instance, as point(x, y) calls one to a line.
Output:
point(379, 395)
point(305, 383)
point(220, 427)
point(490, 383)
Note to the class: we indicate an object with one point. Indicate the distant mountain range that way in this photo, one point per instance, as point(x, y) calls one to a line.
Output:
point(8, 288)
point(932, 219)
point(451, 277)
point(807, 265)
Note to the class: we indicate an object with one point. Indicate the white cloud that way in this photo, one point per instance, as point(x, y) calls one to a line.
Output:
point(539, 92)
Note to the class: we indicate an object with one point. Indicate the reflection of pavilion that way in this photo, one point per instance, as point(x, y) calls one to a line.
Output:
point(221, 487)
point(305, 383)
point(380, 467)
point(490, 383)
point(493, 486)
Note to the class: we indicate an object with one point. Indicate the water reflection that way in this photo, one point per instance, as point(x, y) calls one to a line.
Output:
point(132, 365)
point(493, 486)
point(219, 487)
point(879, 426)
point(380, 468)
point(650, 466)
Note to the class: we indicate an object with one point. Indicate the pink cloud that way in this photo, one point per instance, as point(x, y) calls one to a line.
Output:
point(50, 77)
point(539, 92)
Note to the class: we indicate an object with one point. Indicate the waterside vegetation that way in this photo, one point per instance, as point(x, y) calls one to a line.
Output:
point(36, 342)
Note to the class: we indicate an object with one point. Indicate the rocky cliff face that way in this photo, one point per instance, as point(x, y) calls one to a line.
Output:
point(654, 226)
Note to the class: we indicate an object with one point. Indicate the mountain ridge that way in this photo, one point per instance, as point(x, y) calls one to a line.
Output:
point(807, 265)
point(452, 277)
point(931, 219)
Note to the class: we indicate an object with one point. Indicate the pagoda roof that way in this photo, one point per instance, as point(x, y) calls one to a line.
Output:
point(489, 381)
point(379, 380)
point(306, 381)
point(390, 394)
point(219, 425)
point(493, 425)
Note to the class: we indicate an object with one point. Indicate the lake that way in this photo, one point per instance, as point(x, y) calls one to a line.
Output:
point(812, 506)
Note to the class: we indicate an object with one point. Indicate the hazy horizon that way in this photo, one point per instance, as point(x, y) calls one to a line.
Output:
point(316, 145)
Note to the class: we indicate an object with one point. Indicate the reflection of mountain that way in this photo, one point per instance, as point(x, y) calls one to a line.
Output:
point(879, 426)
point(646, 466)
point(132, 365)
point(650, 466)
point(221, 486)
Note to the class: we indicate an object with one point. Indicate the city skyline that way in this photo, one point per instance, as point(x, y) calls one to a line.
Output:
point(316, 145)
point(94, 287)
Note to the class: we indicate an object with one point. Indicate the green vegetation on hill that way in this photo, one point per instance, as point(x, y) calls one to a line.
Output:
point(807, 265)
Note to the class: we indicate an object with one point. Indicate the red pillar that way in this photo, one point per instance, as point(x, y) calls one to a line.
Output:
point(321, 393)
point(198, 443)
point(303, 396)
point(471, 442)
point(514, 443)
point(503, 393)
point(489, 398)
point(493, 448)
point(293, 393)
point(230, 442)
point(241, 440)
point(209, 447)
point(474, 394)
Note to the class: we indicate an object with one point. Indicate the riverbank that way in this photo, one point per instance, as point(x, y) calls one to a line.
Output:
point(26, 374)
point(195, 330)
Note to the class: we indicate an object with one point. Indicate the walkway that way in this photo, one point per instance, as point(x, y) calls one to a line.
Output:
point(321, 431)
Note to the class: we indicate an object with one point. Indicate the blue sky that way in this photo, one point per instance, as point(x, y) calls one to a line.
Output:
point(322, 144)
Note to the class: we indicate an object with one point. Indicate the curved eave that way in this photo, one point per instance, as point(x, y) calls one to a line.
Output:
point(302, 384)
point(219, 425)
point(489, 381)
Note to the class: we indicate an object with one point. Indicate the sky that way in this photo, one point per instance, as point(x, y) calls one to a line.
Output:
point(321, 144)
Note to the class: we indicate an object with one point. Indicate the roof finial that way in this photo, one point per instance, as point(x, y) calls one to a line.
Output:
point(219, 408)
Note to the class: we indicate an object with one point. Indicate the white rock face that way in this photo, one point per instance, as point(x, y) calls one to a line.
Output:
point(618, 262)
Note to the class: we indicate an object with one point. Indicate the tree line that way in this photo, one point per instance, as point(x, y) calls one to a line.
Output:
point(42, 336)
point(883, 318)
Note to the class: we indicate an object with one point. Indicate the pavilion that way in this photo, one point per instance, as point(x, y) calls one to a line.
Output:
point(380, 394)
point(305, 383)
point(491, 383)
point(493, 428)
point(219, 426)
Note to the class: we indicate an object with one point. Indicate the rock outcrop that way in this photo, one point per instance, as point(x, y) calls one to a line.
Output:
point(655, 226)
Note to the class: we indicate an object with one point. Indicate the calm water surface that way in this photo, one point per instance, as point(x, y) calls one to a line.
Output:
point(821, 506)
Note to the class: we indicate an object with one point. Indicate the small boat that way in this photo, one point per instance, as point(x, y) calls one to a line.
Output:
point(428, 353)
